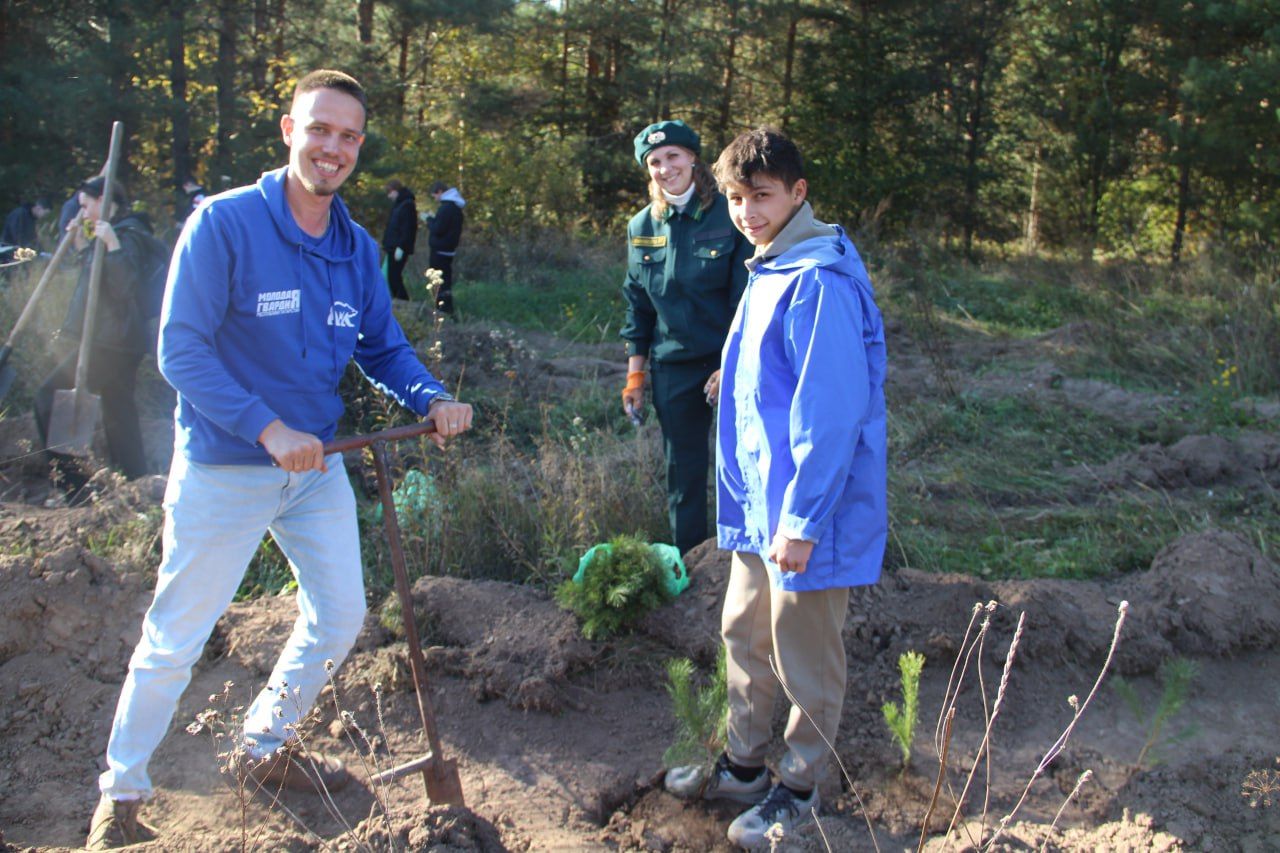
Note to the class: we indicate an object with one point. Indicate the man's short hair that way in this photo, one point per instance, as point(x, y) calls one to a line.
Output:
point(44, 202)
point(326, 78)
point(438, 187)
point(94, 186)
point(393, 185)
point(763, 151)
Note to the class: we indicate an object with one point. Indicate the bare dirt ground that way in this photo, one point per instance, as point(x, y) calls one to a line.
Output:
point(559, 740)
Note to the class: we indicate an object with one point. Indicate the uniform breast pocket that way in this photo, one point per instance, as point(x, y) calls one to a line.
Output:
point(649, 264)
point(717, 249)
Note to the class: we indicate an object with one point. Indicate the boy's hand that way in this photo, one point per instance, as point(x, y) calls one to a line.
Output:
point(791, 555)
point(451, 418)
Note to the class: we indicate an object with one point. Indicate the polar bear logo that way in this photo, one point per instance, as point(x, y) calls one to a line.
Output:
point(342, 315)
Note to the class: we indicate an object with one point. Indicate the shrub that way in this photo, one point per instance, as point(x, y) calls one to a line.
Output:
point(619, 585)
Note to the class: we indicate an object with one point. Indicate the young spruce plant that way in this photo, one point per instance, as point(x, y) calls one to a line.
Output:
point(1176, 676)
point(621, 583)
point(902, 720)
point(701, 714)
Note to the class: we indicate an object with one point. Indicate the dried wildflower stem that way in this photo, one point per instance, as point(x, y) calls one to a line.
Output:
point(830, 747)
point(1084, 777)
point(985, 744)
point(959, 669)
point(1057, 746)
point(942, 772)
point(952, 685)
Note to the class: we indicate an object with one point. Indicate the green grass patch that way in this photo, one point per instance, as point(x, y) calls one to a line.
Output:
point(1004, 302)
point(580, 305)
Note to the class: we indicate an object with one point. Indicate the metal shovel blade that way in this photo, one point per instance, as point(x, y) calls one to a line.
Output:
point(73, 421)
point(444, 786)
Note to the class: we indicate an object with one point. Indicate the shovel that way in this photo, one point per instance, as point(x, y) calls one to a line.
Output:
point(7, 373)
point(76, 413)
point(439, 774)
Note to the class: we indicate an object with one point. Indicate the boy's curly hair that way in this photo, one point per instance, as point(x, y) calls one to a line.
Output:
point(762, 151)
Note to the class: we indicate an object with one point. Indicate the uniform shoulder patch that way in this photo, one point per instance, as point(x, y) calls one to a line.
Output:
point(650, 242)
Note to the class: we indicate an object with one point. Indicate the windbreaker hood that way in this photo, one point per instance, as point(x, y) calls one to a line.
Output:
point(454, 196)
point(338, 244)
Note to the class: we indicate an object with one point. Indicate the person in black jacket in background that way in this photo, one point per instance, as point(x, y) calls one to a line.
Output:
point(446, 233)
point(120, 335)
point(401, 234)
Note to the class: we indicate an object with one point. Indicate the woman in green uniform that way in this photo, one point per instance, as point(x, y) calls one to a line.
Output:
point(685, 274)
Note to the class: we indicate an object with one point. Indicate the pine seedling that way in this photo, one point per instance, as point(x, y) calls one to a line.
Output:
point(902, 720)
point(701, 715)
point(620, 584)
point(1176, 675)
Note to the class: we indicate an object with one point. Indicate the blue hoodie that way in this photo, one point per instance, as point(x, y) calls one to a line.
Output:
point(260, 319)
point(801, 439)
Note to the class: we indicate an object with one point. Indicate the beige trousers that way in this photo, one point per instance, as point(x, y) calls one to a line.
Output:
point(801, 631)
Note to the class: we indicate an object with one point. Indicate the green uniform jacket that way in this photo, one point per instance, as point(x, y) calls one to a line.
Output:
point(685, 275)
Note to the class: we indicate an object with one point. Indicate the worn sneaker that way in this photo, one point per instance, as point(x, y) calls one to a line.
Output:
point(115, 824)
point(692, 780)
point(781, 808)
point(295, 770)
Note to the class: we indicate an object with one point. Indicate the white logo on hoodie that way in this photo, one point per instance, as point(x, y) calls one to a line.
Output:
point(342, 315)
point(273, 302)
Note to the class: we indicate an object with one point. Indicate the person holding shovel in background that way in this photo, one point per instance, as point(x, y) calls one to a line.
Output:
point(685, 275)
point(120, 337)
point(272, 290)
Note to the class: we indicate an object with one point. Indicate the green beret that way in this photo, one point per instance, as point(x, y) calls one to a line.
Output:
point(666, 133)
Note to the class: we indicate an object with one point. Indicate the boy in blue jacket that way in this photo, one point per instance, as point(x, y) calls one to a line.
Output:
point(800, 460)
point(272, 290)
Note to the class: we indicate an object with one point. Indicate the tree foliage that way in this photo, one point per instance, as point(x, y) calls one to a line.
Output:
point(1139, 128)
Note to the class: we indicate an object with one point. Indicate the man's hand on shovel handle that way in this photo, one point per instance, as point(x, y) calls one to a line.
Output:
point(451, 418)
point(292, 450)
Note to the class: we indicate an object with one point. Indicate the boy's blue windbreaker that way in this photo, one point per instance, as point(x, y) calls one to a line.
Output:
point(801, 435)
point(260, 320)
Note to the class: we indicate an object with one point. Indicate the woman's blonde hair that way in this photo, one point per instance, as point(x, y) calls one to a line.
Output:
point(703, 181)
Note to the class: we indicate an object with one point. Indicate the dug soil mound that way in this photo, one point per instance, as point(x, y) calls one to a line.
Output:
point(559, 739)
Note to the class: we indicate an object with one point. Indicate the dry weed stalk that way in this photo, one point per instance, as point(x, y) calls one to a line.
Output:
point(1261, 787)
point(972, 647)
point(1079, 709)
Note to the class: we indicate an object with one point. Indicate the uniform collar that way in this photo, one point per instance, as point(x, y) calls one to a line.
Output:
point(693, 210)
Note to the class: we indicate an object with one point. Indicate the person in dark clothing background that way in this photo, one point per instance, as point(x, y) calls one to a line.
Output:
point(120, 335)
point(446, 233)
point(192, 194)
point(20, 224)
point(401, 234)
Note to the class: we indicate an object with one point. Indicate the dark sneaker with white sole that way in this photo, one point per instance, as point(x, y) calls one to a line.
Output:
point(781, 808)
point(692, 781)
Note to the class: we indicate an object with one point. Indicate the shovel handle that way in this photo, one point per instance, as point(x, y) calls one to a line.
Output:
point(352, 442)
point(95, 269)
point(34, 298)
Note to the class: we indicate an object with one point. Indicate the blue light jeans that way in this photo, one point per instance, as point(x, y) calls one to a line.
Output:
point(215, 516)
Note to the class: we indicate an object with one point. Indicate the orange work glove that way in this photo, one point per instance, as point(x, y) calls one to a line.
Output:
point(633, 393)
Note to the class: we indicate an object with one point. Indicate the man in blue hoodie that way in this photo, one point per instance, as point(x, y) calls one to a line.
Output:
point(272, 290)
point(800, 460)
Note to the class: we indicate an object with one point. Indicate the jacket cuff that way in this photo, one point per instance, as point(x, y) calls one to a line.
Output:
point(254, 421)
point(640, 348)
point(795, 527)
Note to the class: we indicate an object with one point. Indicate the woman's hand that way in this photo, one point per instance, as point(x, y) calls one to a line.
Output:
point(712, 389)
